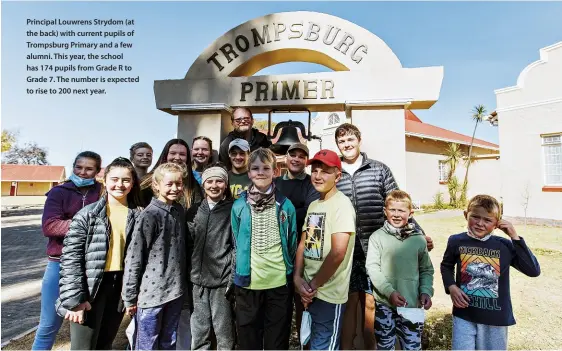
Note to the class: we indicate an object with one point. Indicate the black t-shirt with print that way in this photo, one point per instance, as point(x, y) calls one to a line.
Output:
point(483, 275)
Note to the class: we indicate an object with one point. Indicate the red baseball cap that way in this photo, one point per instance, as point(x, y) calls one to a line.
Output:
point(327, 157)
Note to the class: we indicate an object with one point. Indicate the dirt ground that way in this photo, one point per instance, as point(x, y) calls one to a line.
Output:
point(537, 302)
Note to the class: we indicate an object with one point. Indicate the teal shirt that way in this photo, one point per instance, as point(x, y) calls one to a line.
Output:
point(399, 265)
point(241, 220)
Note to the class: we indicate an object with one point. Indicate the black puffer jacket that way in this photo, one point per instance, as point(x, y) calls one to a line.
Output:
point(83, 256)
point(210, 243)
point(367, 190)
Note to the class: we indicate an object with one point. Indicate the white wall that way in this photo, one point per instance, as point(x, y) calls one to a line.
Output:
point(526, 111)
point(421, 159)
point(422, 171)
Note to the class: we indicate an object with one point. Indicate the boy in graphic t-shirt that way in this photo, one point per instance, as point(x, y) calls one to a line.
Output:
point(482, 304)
point(324, 256)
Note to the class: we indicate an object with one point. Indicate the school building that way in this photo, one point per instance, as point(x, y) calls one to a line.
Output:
point(368, 86)
point(30, 180)
point(425, 148)
point(529, 119)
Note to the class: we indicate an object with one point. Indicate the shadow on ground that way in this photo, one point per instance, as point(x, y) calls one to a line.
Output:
point(22, 212)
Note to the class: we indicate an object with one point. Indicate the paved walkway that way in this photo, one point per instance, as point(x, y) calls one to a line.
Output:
point(15, 201)
point(23, 265)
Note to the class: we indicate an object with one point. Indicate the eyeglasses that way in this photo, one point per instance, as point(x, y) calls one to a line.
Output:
point(242, 119)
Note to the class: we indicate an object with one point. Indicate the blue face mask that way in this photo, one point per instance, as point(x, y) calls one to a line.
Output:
point(80, 182)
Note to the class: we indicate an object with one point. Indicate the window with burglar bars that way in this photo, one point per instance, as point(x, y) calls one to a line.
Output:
point(443, 170)
point(552, 146)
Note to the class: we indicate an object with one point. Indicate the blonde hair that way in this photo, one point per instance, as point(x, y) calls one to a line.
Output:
point(487, 202)
point(264, 155)
point(398, 196)
point(161, 170)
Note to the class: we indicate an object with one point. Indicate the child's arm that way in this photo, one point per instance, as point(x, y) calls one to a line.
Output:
point(373, 265)
point(426, 278)
point(292, 239)
point(134, 261)
point(448, 265)
point(54, 223)
point(343, 227)
point(459, 298)
point(522, 258)
point(72, 283)
point(332, 261)
point(234, 227)
point(301, 285)
point(230, 287)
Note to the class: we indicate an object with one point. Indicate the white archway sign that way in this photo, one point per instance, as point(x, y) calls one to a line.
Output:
point(368, 81)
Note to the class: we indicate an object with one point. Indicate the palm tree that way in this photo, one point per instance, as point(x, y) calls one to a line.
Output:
point(478, 113)
point(454, 155)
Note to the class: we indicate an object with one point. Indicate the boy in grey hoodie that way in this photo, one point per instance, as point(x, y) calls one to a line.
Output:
point(399, 266)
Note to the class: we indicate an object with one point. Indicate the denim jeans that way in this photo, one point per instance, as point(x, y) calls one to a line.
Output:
point(50, 322)
point(157, 326)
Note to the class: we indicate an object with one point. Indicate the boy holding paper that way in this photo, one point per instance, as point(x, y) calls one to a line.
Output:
point(399, 266)
point(324, 256)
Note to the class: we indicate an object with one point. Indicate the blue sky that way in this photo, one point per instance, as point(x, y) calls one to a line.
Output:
point(483, 46)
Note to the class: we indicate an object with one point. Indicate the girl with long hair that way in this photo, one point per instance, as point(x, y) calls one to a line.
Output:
point(175, 151)
point(202, 156)
point(92, 260)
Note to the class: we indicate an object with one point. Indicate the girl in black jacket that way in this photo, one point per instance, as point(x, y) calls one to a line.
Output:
point(92, 260)
point(212, 254)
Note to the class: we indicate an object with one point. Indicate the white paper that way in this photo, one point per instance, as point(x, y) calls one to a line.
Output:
point(306, 326)
point(414, 315)
point(130, 331)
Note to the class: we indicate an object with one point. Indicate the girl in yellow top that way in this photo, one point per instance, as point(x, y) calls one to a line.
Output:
point(92, 260)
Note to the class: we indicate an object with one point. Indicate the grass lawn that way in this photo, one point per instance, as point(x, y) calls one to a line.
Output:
point(535, 300)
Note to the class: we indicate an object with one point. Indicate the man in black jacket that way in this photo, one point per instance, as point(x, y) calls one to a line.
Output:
point(366, 182)
point(243, 122)
point(297, 187)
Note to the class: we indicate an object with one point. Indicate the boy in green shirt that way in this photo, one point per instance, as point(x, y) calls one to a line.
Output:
point(399, 266)
point(324, 256)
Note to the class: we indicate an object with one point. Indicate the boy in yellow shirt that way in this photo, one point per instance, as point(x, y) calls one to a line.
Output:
point(324, 256)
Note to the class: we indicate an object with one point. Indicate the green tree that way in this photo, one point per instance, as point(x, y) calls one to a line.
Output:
point(29, 154)
point(478, 113)
point(454, 155)
point(8, 140)
point(261, 124)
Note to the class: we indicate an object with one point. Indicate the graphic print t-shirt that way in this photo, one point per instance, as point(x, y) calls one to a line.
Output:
point(238, 183)
point(324, 218)
point(482, 273)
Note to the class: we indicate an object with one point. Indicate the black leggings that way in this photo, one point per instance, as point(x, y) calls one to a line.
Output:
point(103, 320)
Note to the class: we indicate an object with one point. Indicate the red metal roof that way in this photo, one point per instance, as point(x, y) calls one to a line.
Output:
point(415, 127)
point(33, 173)
point(411, 116)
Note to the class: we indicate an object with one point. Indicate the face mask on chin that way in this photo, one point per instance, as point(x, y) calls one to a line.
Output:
point(474, 236)
point(80, 182)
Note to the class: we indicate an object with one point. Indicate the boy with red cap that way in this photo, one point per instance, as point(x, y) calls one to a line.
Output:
point(324, 256)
